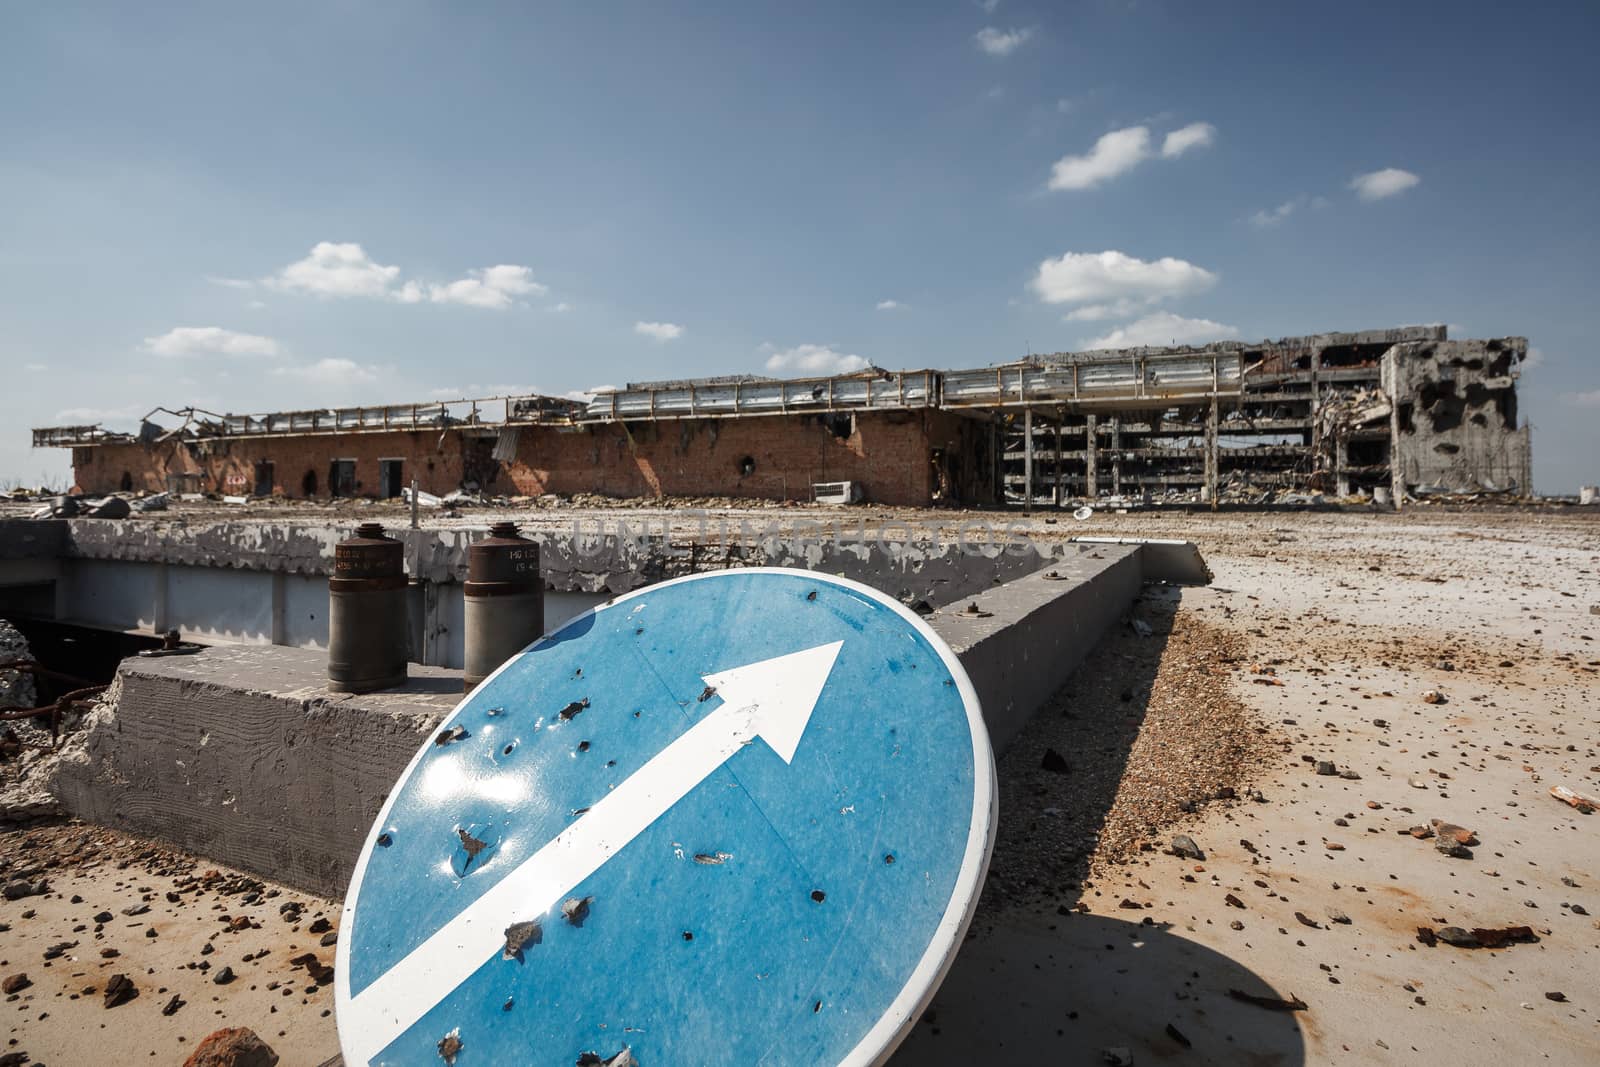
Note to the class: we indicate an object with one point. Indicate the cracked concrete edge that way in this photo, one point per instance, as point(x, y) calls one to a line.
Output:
point(572, 562)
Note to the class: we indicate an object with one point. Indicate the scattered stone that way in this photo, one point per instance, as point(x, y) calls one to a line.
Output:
point(233, 1047)
point(223, 977)
point(1294, 1003)
point(1453, 832)
point(173, 1005)
point(1327, 768)
point(119, 990)
point(1454, 935)
point(16, 983)
point(1433, 696)
point(1054, 762)
point(1183, 845)
point(23, 888)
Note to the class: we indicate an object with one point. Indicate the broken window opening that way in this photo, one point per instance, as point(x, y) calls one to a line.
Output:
point(842, 424)
point(747, 466)
point(308, 484)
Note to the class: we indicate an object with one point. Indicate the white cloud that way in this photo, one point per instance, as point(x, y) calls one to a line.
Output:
point(345, 270)
point(333, 372)
point(1001, 42)
point(335, 269)
point(1270, 217)
point(1587, 398)
point(1120, 309)
point(231, 283)
point(989, 6)
point(35, 367)
point(1163, 328)
point(1534, 358)
point(1390, 181)
point(491, 287)
point(659, 331)
point(563, 306)
point(209, 341)
point(1119, 151)
point(890, 305)
point(1194, 135)
point(1114, 153)
point(814, 359)
point(1106, 277)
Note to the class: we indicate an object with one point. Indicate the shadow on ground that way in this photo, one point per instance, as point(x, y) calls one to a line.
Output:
point(1028, 991)
point(1037, 981)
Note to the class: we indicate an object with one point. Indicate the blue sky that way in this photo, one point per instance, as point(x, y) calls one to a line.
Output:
point(300, 205)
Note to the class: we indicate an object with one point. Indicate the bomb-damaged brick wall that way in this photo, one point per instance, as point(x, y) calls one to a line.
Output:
point(892, 455)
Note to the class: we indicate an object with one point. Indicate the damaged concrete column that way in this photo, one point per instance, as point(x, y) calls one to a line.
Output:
point(1212, 457)
point(1027, 458)
point(1116, 455)
point(1091, 487)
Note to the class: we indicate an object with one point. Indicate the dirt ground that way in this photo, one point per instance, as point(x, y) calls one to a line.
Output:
point(1276, 718)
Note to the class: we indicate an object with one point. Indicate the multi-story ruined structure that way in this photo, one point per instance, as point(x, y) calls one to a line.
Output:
point(1406, 410)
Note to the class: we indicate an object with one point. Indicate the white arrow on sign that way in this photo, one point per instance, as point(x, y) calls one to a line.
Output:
point(772, 699)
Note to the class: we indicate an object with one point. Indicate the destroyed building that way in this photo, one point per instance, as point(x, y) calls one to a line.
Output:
point(1405, 411)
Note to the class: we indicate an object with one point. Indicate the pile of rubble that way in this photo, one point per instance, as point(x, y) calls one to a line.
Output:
point(33, 739)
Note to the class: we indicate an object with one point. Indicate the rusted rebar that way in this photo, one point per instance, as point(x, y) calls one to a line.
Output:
point(55, 710)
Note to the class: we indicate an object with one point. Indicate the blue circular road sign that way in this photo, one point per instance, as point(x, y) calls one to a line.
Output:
point(736, 818)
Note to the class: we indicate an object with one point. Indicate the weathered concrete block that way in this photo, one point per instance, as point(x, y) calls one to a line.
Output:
point(241, 754)
point(1030, 634)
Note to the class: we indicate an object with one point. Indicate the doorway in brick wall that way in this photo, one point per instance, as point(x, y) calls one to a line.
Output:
point(390, 477)
point(342, 477)
point(264, 478)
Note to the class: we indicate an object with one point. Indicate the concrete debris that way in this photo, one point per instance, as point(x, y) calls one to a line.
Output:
point(1584, 802)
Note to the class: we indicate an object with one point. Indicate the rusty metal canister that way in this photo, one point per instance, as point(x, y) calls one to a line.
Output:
point(367, 620)
point(503, 602)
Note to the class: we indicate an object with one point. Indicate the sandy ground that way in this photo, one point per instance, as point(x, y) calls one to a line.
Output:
point(1090, 937)
point(190, 921)
point(1357, 618)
